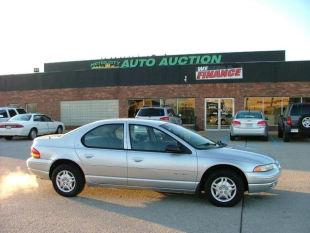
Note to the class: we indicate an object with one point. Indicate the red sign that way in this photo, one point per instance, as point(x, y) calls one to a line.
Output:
point(204, 73)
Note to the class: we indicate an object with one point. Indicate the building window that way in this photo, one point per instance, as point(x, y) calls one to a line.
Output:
point(299, 100)
point(272, 107)
point(31, 108)
point(135, 104)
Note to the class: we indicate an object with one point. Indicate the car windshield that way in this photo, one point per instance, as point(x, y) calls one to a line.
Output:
point(22, 117)
point(151, 112)
point(256, 115)
point(195, 140)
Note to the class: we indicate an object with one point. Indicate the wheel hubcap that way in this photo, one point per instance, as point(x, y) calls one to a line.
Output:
point(306, 122)
point(223, 189)
point(65, 181)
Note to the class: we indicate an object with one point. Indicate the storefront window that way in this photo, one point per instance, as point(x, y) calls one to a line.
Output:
point(186, 107)
point(135, 104)
point(272, 107)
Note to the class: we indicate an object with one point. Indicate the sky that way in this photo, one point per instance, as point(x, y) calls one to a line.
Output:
point(35, 32)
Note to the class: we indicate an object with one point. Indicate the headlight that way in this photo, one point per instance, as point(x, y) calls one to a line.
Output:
point(264, 168)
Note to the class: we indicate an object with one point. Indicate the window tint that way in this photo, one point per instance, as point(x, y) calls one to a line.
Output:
point(247, 114)
point(12, 112)
point(305, 109)
point(105, 136)
point(20, 111)
point(151, 112)
point(45, 118)
point(149, 139)
point(3, 113)
point(37, 118)
point(295, 111)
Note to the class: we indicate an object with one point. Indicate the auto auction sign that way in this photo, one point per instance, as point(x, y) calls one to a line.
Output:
point(207, 73)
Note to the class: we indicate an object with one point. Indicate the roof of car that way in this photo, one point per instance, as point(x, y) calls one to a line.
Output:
point(132, 120)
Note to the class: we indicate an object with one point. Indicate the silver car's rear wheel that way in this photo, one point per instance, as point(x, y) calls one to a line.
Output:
point(65, 181)
point(223, 189)
point(68, 180)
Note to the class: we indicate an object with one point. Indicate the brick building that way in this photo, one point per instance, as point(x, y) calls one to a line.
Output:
point(206, 89)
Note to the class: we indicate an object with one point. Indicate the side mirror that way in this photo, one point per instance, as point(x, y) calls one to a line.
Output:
point(173, 149)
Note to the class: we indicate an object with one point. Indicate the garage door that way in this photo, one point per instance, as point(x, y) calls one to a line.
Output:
point(76, 113)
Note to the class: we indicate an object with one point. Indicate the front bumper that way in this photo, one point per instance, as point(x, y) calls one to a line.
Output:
point(263, 181)
point(39, 167)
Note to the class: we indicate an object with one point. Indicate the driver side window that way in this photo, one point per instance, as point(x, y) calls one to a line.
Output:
point(147, 138)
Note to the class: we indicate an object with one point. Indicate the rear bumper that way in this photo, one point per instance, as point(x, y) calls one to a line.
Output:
point(39, 167)
point(263, 181)
point(237, 131)
point(14, 132)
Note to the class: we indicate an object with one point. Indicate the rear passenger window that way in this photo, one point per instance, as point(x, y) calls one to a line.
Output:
point(295, 111)
point(12, 112)
point(20, 111)
point(3, 114)
point(105, 136)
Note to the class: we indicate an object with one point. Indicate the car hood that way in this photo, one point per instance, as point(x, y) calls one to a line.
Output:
point(232, 155)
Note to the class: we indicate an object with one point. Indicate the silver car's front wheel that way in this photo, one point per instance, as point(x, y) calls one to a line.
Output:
point(224, 187)
point(68, 180)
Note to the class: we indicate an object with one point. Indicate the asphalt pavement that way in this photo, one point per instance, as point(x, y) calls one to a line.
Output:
point(33, 206)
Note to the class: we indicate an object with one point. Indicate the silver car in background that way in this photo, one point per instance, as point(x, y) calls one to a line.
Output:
point(249, 123)
point(159, 113)
point(149, 154)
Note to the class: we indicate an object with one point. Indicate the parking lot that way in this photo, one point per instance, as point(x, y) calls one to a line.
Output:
point(37, 208)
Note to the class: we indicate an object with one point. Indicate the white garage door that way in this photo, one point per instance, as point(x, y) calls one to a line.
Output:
point(75, 113)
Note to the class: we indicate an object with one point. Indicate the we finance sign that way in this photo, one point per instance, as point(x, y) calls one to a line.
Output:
point(157, 61)
point(209, 73)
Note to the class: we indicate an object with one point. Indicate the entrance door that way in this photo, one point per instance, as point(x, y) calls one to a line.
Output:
point(219, 113)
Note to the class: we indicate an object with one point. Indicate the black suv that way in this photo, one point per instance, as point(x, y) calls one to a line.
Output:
point(294, 121)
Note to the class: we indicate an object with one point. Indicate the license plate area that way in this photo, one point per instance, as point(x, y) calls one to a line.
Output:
point(294, 130)
point(8, 127)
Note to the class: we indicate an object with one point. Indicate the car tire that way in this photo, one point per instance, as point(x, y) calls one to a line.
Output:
point(32, 134)
point(59, 130)
point(9, 138)
point(280, 132)
point(224, 188)
point(232, 138)
point(304, 122)
point(286, 137)
point(68, 180)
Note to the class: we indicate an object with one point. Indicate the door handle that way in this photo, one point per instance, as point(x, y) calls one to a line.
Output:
point(89, 156)
point(137, 159)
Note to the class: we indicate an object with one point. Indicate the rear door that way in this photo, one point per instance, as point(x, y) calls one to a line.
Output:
point(149, 165)
point(102, 153)
point(52, 126)
point(40, 124)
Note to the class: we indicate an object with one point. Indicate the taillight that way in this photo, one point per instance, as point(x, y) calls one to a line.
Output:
point(2, 126)
point(16, 126)
point(35, 153)
point(165, 118)
point(289, 121)
point(236, 123)
point(262, 123)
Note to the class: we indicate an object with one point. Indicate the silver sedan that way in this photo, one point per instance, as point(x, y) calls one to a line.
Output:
point(148, 154)
point(249, 123)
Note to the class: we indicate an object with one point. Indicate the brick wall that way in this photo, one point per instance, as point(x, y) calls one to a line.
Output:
point(48, 101)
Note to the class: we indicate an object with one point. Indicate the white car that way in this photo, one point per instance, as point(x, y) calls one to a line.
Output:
point(30, 125)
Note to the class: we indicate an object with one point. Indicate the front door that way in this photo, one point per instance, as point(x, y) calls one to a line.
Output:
point(149, 165)
point(219, 113)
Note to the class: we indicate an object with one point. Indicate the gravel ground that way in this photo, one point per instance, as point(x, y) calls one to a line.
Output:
point(37, 208)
